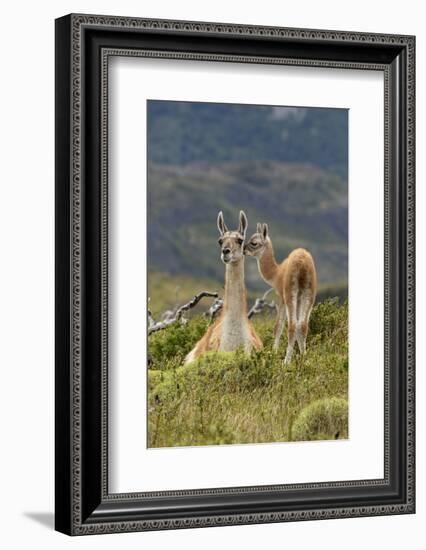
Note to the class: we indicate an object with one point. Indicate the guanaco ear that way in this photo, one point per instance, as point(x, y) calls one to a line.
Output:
point(259, 228)
point(242, 228)
point(265, 230)
point(221, 223)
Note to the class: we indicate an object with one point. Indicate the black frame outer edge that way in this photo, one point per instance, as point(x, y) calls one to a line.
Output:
point(62, 275)
point(94, 510)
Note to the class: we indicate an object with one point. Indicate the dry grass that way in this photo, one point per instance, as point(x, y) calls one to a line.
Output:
point(226, 398)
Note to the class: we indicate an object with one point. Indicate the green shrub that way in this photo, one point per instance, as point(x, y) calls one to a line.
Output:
point(235, 398)
point(169, 346)
point(328, 316)
point(322, 419)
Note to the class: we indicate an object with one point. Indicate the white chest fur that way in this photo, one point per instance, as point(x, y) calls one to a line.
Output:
point(235, 327)
point(235, 335)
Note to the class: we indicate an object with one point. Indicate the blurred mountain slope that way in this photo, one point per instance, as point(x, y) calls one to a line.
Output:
point(186, 132)
point(304, 205)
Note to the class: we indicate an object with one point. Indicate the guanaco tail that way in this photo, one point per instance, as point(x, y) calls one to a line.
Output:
point(232, 330)
point(295, 283)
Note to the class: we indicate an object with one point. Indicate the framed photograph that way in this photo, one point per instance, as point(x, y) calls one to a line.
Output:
point(234, 274)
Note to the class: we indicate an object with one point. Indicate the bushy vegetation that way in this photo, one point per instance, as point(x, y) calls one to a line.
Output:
point(228, 398)
point(321, 419)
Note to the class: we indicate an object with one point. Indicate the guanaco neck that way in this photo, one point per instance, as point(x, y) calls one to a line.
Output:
point(267, 264)
point(235, 304)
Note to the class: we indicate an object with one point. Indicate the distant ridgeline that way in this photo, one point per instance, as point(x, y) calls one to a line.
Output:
point(283, 166)
point(182, 132)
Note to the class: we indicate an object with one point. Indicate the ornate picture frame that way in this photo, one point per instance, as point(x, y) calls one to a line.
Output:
point(84, 45)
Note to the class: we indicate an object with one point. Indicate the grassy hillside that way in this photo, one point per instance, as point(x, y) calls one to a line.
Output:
point(226, 398)
point(165, 291)
point(304, 205)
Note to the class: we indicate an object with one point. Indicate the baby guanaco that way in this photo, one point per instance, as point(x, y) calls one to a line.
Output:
point(295, 283)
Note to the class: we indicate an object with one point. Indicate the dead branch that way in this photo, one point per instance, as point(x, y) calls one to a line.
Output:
point(260, 304)
point(214, 308)
point(151, 321)
point(172, 316)
point(170, 319)
point(168, 314)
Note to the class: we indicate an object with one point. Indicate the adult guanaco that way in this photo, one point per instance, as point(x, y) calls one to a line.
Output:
point(295, 283)
point(232, 330)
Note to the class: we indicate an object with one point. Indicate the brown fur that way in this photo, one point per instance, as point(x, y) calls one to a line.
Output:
point(295, 283)
point(232, 329)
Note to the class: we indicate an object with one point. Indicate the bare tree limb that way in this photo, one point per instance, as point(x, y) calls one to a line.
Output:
point(214, 308)
point(168, 314)
point(260, 304)
point(151, 321)
point(150, 317)
point(172, 316)
point(170, 319)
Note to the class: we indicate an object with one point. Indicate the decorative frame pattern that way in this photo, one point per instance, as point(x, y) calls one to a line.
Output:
point(84, 505)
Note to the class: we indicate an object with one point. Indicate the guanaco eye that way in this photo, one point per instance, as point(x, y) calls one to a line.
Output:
point(220, 241)
point(240, 241)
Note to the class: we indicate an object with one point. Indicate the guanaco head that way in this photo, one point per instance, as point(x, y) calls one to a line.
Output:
point(232, 242)
point(255, 246)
